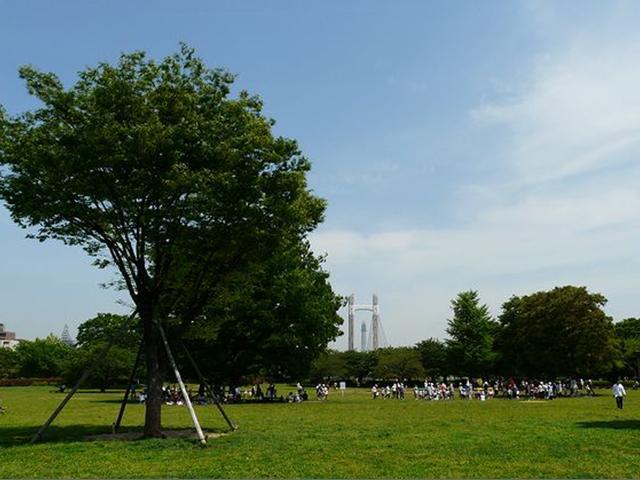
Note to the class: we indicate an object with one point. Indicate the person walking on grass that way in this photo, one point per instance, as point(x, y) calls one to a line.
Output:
point(619, 393)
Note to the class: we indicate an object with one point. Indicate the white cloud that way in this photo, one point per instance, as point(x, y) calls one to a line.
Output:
point(579, 113)
point(418, 275)
point(568, 212)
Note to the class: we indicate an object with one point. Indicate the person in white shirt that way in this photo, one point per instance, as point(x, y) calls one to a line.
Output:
point(619, 393)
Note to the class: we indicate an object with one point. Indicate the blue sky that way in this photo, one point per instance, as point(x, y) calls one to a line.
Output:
point(485, 145)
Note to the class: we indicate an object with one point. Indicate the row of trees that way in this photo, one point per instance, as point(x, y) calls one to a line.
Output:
point(50, 357)
point(384, 363)
point(267, 353)
point(558, 333)
point(562, 332)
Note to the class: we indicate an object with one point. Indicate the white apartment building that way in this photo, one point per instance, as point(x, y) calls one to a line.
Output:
point(7, 339)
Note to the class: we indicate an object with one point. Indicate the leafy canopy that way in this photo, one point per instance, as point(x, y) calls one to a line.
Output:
point(143, 163)
point(560, 332)
point(471, 335)
point(42, 357)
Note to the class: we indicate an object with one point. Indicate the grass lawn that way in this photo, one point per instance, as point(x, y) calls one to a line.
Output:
point(350, 437)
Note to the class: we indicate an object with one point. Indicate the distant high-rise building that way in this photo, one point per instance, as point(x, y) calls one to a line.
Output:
point(66, 336)
point(363, 337)
point(7, 339)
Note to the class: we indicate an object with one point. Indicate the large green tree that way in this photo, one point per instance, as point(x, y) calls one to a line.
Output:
point(560, 332)
point(154, 168)
point(471, 336)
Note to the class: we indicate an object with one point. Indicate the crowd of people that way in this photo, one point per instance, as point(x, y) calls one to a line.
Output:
point(172, 394)
point(300, 395)
point(394, 390)
point(465, 389)
point(480, 389)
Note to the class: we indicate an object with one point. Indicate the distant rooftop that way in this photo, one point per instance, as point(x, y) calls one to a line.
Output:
point(5, 334)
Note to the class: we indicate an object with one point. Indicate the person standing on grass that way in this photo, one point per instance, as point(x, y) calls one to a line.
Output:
point(619, 393)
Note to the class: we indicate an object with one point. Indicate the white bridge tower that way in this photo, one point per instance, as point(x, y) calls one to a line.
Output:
point(352, 308)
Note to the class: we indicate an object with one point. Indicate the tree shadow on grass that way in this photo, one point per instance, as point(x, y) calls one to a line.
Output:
point(16, 436)
point(612, 424)
point(21, 436)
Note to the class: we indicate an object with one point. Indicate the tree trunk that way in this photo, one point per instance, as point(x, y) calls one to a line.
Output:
point(153, 406)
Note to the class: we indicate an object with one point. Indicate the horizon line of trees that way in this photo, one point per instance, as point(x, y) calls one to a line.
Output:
point(562, 332)
point(220, 359)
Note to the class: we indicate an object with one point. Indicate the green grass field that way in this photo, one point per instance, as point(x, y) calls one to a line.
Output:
point(350, 437)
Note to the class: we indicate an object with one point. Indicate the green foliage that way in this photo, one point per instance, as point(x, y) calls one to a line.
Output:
point(471, 336)
point(360, 365)
point(353, 365)
point(93, 337)
point(109, 370)
point(628, 332)
point(42, 357)
point(141, 162)
point(8, 363)
point(329, 365)
point(271, 321)
point(399, 363)
point(561, 332)
point(628, 328)
point(433, 355)
point(109, 327)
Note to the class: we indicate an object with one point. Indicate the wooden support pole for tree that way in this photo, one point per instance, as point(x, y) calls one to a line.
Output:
point(185, 394)
point(125, 399)
point(92, 365)
point(208, 388)
point(64, 402)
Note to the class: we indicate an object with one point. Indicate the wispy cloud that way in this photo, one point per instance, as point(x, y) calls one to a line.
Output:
point(566, 210)
point(579, 112)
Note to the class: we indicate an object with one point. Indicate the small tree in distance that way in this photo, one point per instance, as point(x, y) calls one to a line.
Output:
point(398, 363)
point(93, 335)
point(42, 357)
point(433, 355)
point(471, 335)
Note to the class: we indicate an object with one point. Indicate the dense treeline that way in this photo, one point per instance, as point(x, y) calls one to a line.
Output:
point(228, 357)
point(563, 332)
point(50, 357)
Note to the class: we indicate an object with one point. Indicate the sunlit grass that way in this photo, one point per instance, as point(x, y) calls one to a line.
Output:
point(344, 437)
